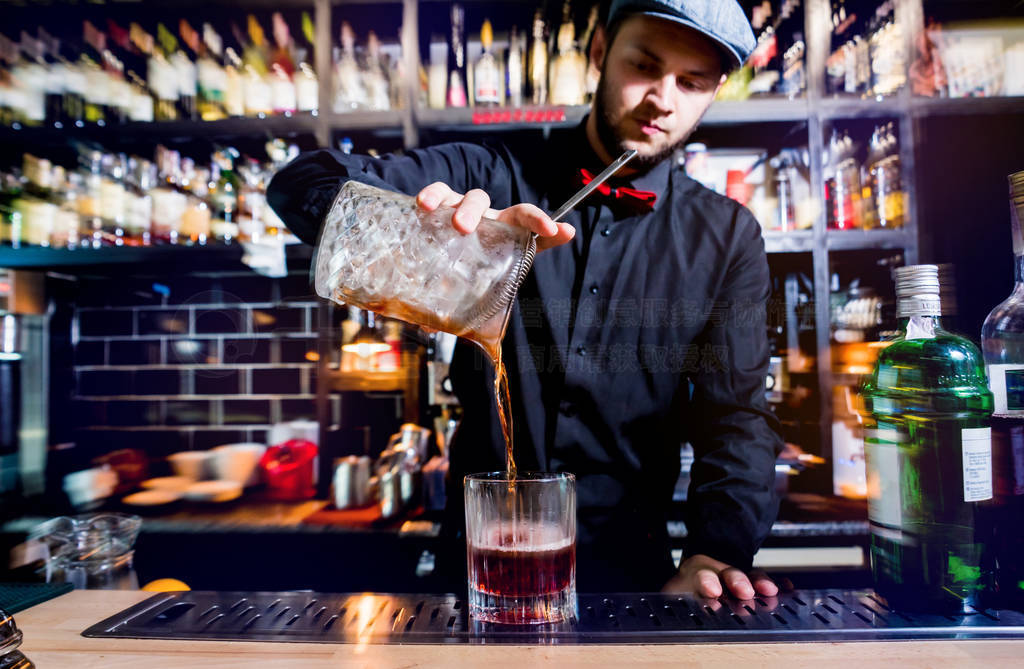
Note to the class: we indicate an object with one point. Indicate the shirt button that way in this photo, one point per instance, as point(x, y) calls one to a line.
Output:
point(581, 350)
point(593, 289)
point(606, 232)
point(567, 408)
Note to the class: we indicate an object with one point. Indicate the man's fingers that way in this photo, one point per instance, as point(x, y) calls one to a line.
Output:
point(468, 213)
point(708, 584)
point(738, 583)
point(435, 195)
point(565, 234)
point(763, 584)
point(531, 217)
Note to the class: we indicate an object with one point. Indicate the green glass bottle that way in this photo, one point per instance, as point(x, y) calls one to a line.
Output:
point(929, 456)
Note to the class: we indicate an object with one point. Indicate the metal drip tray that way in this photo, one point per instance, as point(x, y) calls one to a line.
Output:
point(809, 615)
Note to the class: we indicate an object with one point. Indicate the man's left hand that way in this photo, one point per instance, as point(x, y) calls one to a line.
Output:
point(706, 577)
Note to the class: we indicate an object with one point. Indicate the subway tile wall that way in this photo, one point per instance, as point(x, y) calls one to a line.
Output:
point(193, 361)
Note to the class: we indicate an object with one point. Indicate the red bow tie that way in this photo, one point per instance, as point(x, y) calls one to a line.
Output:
point(638, 200)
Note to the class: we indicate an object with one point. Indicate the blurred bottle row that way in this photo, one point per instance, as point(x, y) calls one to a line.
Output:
point(868, 57)
point(777, 67)
point(519, 67)
point(113, 199)
point(864, 193)
point(114, 73)
point(776, 188)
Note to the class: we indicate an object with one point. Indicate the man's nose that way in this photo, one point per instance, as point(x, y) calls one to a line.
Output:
point(660, 92)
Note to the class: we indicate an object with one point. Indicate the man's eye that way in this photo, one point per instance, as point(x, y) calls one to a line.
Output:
point(690, 85)
point(642, 66)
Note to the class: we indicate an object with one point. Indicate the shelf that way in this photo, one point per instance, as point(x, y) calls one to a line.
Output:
point(276, 125)
point(849, 240)
point(840, 108)
point(799, 241)
point(366, 120)
point(758, 110)
point(185, 257)
point(967, 106)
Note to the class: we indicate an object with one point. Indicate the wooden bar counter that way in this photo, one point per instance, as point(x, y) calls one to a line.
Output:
point(52, 638)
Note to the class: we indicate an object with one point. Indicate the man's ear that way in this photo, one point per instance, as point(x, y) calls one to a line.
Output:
point(598, 45)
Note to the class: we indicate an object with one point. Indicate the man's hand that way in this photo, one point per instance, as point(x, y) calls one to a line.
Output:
point(475, 204)
point(705, 576)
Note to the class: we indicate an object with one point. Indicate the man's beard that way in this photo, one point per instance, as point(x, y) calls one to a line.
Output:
point(613, 143)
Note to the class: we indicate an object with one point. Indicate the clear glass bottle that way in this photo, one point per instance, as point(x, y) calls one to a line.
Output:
point(487, 87)
point(169, 200)
point(457, 58)
point(539, 61)
point(375, 76)
point(514, 70)
point(185, 73)
point(307, 85)
point(569, 68)
point(234, 95)
point(1002, 341)
point(282, 68)
point(885, 177)
point(350, 94)
point(842, 184)
point(929, 456)
point(138, 218)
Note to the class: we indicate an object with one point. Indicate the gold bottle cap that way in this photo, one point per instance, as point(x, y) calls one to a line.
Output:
point(486, 35)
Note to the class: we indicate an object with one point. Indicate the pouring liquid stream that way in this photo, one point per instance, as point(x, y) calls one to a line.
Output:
point(492, 345)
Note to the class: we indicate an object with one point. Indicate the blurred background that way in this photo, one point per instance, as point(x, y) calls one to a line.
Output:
point(163, 353)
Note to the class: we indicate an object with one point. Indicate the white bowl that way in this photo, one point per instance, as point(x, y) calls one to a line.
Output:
point(237, 462)
point(190, 464)
point(213, 491)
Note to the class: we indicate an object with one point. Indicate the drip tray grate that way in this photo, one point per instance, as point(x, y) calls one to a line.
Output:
point(808, 615)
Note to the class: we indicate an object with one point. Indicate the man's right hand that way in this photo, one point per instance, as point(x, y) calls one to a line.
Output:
point(476, 204)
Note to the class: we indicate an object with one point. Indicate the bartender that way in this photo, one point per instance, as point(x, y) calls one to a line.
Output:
point(642, 323)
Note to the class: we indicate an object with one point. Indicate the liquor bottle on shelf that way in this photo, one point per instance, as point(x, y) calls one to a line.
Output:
point(127, 65)
point(350, 93)
point(457, 58)
point(184, 73)
point(885, 182)
point(68, 79)
point(211, 76)
point(169, 200)
point(197, 222)
point(113, 196)
point(97, 82)
point(160, 74)
point(234, 84)
point(91, 169)
point(487, 88)
point(569, 68)
point(514, 70)
point(282, 68)
point(842, 184)
point(592, 75)
point(307, 86)
point(224, 196)
point(538, 62)
point(437, 73)
point(256, 85)
point(36, 207)
point(1002, 341)
point(929, 456)
point(887, 52)
point(67, 226)
point(138, 217)
point(375, 77)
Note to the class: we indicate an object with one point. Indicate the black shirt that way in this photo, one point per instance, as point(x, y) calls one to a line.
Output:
point(646, 331)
